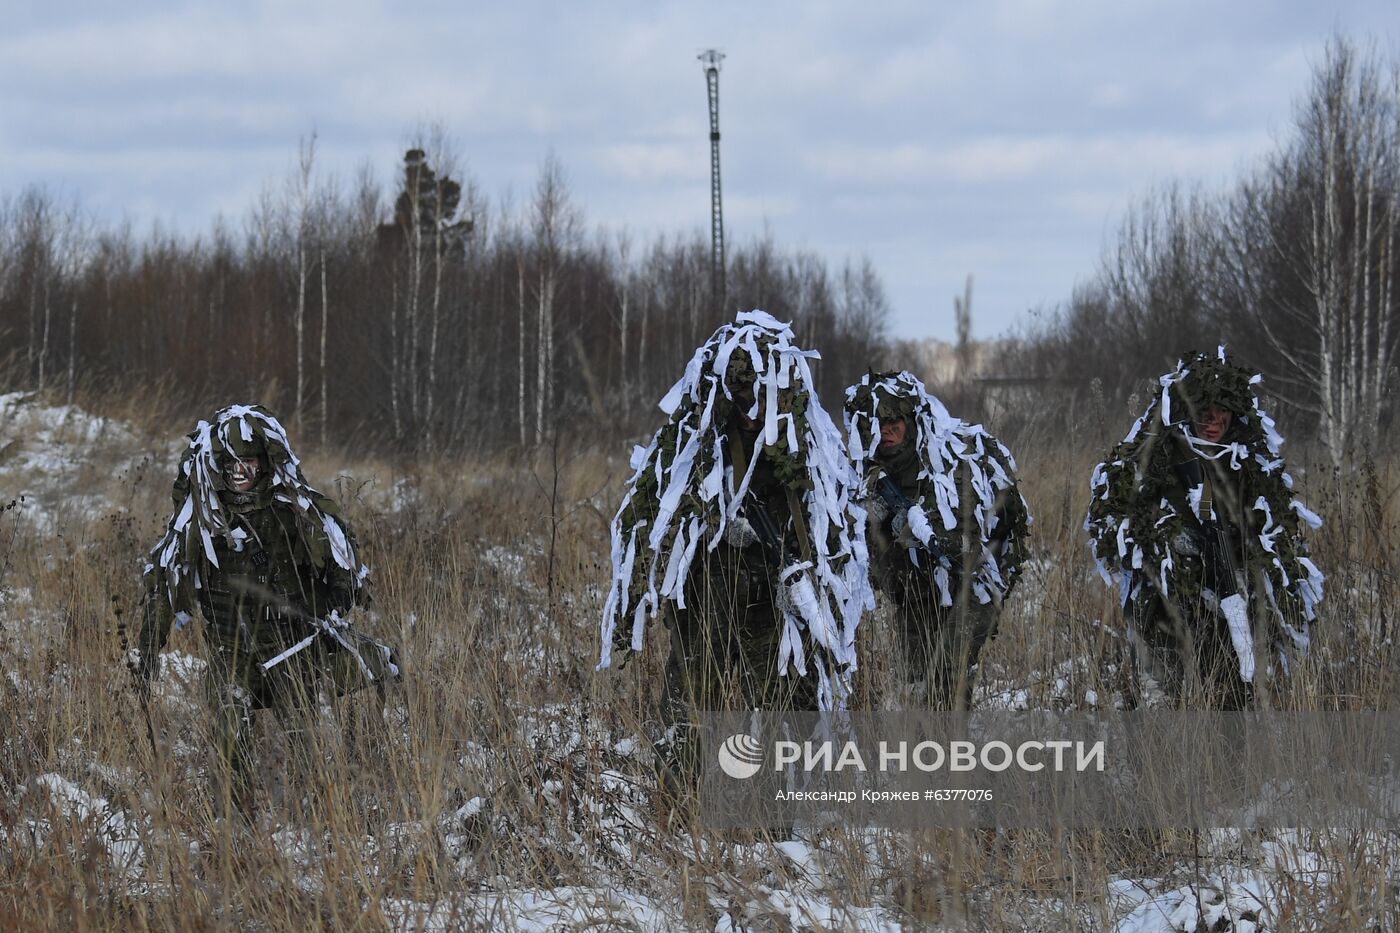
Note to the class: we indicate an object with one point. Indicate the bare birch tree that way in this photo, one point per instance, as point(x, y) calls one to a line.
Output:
point(624, 276)
point(302, 198)
point(35, 243)
point(1323, 292)
point(355, 320)
point(75, 258)
point(554, 224)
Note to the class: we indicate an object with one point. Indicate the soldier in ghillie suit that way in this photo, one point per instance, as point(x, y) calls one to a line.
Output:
point(947, 526)
point(1193, 518)
point(738, 526)
point(273, 569)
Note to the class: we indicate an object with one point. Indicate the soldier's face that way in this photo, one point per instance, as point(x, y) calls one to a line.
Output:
point(241, 475)
point(1212, 424)
point(892, 432)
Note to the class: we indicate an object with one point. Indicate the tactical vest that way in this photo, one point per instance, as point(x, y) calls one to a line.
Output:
point(263, 579)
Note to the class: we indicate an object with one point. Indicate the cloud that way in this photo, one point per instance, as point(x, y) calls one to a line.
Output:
point(746, 210)
point(1000, 159)
point(1110, 95)
point(656, 162)
point(941, 139)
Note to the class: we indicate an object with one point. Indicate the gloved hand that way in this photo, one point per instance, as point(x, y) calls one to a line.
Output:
point(1186, 544)
point(903, 534)
point(874, 504)
point(739, 533)
point(794, 593)
point(341, 599)
point(797, 597)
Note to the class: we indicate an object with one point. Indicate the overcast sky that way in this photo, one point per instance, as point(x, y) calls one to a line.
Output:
point(997, 139)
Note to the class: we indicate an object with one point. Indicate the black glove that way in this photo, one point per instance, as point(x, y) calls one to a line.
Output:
point(1188, 542)
point(738, 533)
point(339, 598)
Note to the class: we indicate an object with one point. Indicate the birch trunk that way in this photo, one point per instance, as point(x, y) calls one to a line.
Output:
point(325, 324)
point(433, 334)
point(415, 280)
point(395, 389)
point(306, 162)
point(624, 306)
point(72, 344)
point(302, 273)
point(642, 339)
point(44, 337)
point(520, 360)
point(544, 352)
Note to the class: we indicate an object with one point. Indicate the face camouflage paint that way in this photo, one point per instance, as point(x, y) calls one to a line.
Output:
point(241, 474)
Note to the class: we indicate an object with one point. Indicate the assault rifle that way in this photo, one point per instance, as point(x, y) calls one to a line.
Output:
point(343, 635)
point(337, 630)
point(1218, 559)
point(770, 539)
point(899, 505)
point(894, 497)
point(1216, 549)
point(1223, 578)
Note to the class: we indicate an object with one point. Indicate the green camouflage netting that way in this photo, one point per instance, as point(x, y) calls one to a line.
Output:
point(951, 452)
point(1137, 511)
point(682, 495)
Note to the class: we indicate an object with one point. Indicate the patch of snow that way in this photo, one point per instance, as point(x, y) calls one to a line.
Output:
point(111, 828)
point(507, 562)
point(51, 455)
point(1219, 904)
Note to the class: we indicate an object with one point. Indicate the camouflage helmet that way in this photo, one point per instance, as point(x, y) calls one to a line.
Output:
point(1210, 381)
point(887, 394)
point(244, 449)
point(740, 372)
point(241, 431)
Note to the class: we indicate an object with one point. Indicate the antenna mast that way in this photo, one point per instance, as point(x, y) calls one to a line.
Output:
point(710, 59)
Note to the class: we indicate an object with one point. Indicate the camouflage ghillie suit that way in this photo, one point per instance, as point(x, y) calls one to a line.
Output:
point(948, 527)
point(262, 558)
point(1203, 537)
point(738, 527)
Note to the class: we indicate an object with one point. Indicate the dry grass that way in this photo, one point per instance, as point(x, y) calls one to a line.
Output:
point(510, 769)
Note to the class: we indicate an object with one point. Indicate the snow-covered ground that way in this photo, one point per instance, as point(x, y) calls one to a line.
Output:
point(553, 826)
point(66, 464)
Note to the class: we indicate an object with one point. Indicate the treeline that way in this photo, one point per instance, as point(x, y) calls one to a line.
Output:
point(1294, 267)
point(430, 317)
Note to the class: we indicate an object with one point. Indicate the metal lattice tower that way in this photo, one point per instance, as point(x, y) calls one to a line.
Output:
point(710, 59)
